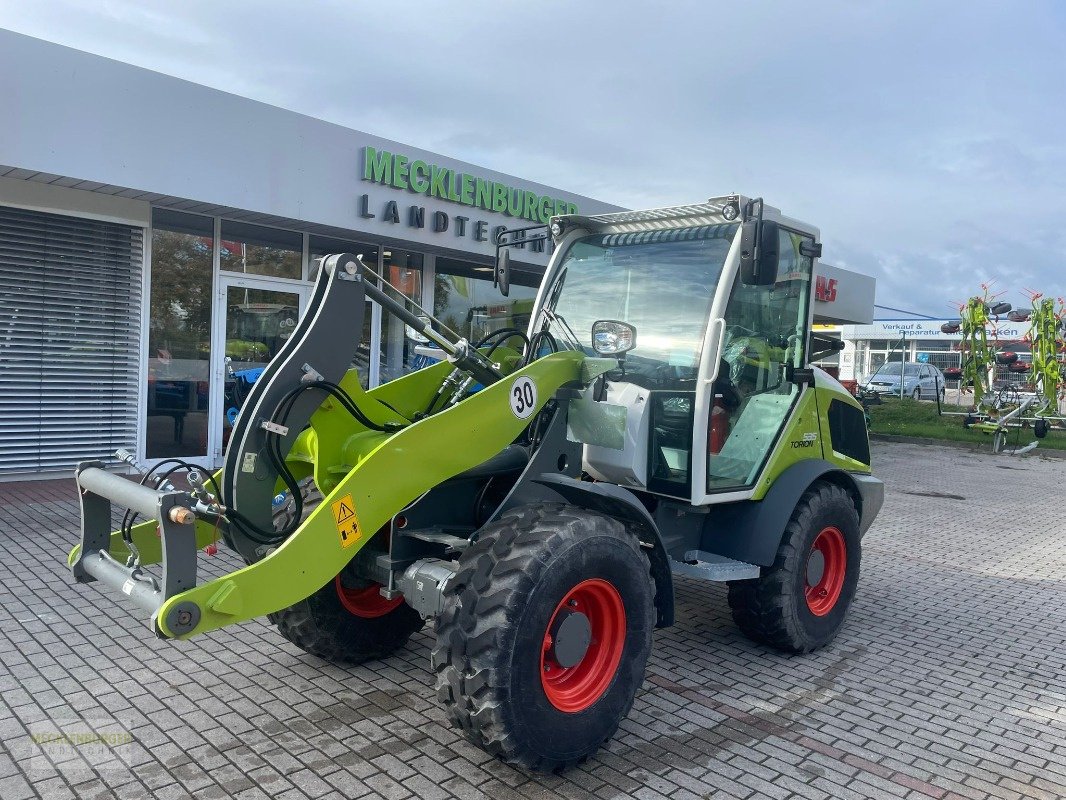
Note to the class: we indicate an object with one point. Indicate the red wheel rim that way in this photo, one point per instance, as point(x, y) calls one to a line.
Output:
point(366, 602)
point(575, 688)
point(828, 548)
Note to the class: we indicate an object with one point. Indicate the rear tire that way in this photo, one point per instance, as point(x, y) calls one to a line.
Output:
point(799, 603)
point(512, 675)
point(344, 620)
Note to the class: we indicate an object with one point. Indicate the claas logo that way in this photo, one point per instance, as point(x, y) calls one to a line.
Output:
point(825, 289)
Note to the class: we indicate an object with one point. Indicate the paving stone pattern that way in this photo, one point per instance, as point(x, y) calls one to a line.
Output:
point(947, 681)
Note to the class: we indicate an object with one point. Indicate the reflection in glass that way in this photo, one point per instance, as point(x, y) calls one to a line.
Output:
point(662, 286)
point(258, 323)
point(179, 335)
point(465, 300)
point(765, 334)
point(257, 250)
point(403, 271)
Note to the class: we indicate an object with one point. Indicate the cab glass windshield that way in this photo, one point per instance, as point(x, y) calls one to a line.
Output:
point(660, 282)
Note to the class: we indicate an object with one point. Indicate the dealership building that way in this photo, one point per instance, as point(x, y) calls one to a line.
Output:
point(157, 236)
point(867, 347)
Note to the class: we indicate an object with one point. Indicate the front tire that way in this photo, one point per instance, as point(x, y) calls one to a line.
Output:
point(799, 603)
point(545, 635)
point(347, 619)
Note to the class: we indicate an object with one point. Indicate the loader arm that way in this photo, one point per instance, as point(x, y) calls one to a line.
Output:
point(371, 453)
point(397, 469)
point(392, 470)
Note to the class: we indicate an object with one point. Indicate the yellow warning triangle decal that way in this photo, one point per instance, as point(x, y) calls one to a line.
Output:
point(344, 513)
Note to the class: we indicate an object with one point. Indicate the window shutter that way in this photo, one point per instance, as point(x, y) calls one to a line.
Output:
point(70, 306)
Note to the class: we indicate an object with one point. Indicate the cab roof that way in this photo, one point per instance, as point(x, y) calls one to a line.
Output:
point(712, 212)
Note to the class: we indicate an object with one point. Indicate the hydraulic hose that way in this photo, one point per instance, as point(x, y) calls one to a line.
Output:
point(501, 335)
point(277, 460)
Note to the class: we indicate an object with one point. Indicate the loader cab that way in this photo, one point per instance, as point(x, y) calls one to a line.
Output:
point(694, 409)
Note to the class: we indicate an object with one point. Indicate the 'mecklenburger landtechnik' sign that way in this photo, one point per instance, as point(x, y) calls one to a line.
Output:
point(418, 177)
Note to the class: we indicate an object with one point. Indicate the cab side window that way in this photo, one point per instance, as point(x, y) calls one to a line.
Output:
point(765, 334)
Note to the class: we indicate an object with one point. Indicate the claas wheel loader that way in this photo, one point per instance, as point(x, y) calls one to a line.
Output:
point(533, 493)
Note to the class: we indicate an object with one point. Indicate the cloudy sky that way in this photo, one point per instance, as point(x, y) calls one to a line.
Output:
point(926, 139)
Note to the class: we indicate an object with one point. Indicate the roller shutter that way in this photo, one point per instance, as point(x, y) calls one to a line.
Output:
point(70, 305)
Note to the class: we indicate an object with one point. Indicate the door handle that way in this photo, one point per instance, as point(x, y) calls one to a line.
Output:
point(716, 335)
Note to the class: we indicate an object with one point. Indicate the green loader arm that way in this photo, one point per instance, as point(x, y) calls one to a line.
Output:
point(396, 470)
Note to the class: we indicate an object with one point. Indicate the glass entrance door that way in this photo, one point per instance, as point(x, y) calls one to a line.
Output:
point(256, 319)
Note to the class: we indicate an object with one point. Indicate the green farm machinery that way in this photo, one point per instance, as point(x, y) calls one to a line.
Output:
point(1035, 400)
point(533, 494)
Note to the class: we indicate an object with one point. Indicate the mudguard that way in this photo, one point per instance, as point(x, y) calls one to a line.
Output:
point(751, 530)
point(614, 501)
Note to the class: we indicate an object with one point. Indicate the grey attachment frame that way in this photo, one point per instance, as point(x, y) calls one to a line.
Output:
point(321, 347)
point(97, 489)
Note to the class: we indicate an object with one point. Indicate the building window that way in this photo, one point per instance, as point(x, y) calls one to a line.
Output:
point(179, 335)
point(465, 300)
point(875, 353)
point(402, 271)
point(257, 250)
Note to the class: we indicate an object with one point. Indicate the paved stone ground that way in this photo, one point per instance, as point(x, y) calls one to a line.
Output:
point(948, 680)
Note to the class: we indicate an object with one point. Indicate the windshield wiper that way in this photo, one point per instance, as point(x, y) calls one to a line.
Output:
point(564, 329)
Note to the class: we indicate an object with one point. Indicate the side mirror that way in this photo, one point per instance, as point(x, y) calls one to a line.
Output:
point(824, 345)
point(501, 275)
point(613, 338)
point(759, 253)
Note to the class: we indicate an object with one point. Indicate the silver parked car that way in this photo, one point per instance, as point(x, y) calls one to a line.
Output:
point(919, 380)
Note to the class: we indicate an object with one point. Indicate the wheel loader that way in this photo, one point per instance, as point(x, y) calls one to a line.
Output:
point(534, 494)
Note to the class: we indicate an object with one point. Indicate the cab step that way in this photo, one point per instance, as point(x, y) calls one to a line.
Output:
point(711, 567)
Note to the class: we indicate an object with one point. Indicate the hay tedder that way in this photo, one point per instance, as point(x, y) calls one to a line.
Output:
point(533, 493)
point(1036, 403)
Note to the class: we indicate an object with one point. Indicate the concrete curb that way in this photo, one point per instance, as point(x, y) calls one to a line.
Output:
point(971, 446)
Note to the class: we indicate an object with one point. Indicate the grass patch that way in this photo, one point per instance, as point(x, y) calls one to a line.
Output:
point(915, 418)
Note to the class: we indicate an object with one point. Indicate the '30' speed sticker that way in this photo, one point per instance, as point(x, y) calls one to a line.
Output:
point(523, 397)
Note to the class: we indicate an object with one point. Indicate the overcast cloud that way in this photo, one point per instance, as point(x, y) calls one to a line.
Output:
point(927, 140)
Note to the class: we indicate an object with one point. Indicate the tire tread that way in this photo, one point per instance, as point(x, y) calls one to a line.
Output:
point(499, 566)
point(762, 607)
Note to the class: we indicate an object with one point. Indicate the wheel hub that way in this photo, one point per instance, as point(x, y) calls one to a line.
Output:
point(571, 635)
point(815, 567)
point(367, 601)
point(827, 564)
point(583, 645)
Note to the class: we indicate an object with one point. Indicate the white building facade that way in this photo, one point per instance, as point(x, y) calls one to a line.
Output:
point(867, 347)
point(158, 237)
